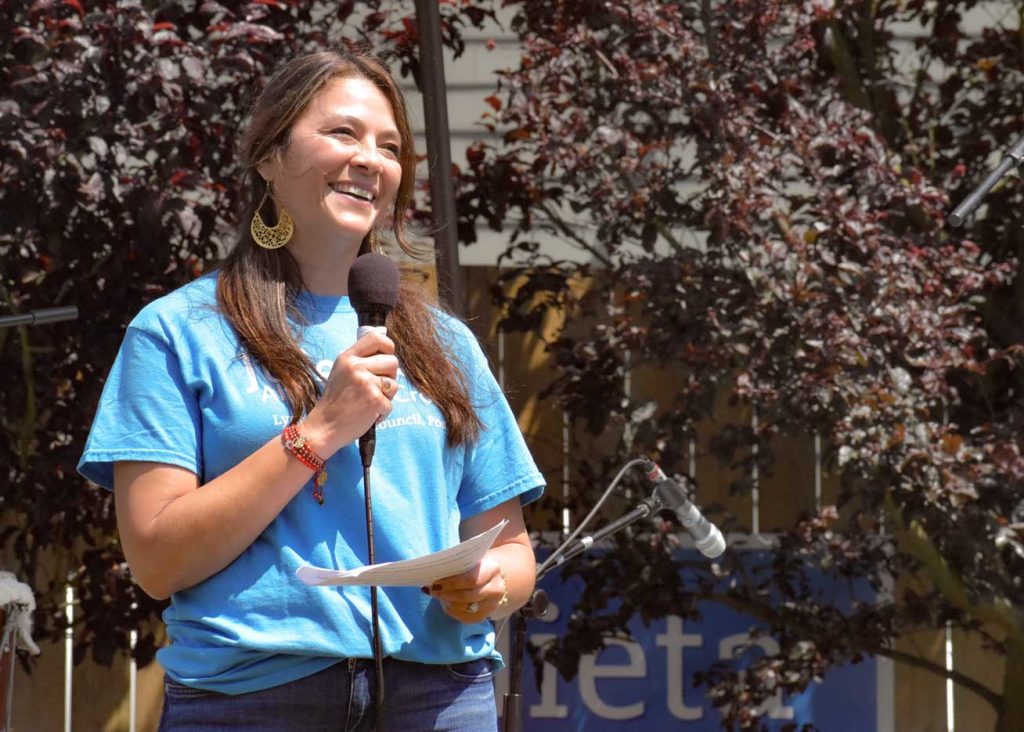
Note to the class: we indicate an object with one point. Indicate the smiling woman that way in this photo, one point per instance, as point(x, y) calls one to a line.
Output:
point(338, 175)
point(215, 505)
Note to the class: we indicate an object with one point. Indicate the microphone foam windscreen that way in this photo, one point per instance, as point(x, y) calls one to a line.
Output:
point(373, 283)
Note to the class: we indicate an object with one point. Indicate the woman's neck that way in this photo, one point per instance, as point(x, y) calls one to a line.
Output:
point(325, 267)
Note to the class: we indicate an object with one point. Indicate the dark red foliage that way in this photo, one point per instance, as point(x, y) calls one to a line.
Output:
point(118, 125)
point(763, 187)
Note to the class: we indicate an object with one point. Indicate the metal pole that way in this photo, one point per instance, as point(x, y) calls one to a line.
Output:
point(69, 649)
point(133, 681)
point(39, 317)
point(439, 156)
point(9, 645)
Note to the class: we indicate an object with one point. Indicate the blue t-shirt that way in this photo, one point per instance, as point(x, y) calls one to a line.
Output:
point(183, 392)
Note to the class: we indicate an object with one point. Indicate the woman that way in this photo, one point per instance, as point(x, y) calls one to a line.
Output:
point(218, 501)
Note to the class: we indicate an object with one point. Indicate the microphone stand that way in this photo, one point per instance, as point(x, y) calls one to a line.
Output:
point(537, 605)
point(9, 639)
point(39, 317)
point(1014, 157)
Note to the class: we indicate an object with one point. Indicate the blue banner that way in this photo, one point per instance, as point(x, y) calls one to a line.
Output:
point(646, 682)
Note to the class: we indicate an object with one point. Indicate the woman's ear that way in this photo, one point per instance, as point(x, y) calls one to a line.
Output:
point(267, 169)
point(270, 167)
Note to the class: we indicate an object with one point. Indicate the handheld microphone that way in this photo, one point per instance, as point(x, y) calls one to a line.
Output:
point(373, 291)
point(706, 536)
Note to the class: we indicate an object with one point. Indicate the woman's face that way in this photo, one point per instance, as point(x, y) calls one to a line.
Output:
point(341, 168)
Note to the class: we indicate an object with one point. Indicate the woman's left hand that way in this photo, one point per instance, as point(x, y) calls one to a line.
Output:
point(473, 595)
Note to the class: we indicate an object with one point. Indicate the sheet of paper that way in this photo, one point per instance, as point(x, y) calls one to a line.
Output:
point(408, 572)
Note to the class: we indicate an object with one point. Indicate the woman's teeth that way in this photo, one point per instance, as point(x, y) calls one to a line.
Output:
point(360, 193)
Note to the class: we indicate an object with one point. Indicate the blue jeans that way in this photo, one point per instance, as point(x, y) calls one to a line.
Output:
point(341, 698)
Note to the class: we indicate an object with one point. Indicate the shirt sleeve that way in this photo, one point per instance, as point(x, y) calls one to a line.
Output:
point(497, 466)
point(147, 411)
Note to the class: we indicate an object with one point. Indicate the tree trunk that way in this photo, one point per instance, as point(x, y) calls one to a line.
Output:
point(1011, 716)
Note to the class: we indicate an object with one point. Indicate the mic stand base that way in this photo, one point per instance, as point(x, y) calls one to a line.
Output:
point(537, 607)
point(512, 707)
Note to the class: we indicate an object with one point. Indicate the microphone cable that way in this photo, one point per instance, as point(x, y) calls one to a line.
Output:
point(378, 650)
point(583, 524)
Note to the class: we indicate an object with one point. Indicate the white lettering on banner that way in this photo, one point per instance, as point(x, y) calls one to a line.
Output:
point(549, 708)
point(583, 691)
point(673, 640)
point(727, 649)
point(590, 670)
point(324, 367)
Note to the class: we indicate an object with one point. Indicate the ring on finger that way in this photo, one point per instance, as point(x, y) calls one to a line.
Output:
point(473, 608)
point(385, 385)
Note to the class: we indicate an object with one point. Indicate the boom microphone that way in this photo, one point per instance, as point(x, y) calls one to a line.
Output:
point(373, 291)
point(39, 317)
point(706, 536)
point(1014, 157)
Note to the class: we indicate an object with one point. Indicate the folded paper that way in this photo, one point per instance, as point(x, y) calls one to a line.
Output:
point(408, 572)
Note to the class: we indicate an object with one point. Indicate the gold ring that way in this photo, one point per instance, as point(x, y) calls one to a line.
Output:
point(473, 608)
point(385, 385)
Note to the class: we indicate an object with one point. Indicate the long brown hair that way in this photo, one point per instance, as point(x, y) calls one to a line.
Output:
point(257, 287)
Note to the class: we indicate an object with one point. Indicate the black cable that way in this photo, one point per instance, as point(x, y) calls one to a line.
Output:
point(557, 553)
point(378, 652)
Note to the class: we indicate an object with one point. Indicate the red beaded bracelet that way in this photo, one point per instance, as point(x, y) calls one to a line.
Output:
point(295, 443)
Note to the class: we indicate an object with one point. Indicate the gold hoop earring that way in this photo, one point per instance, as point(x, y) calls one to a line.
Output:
point(372, 237)
point(271, 237)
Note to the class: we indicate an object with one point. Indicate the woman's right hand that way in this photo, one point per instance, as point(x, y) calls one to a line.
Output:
point(357, 394)
point(172, 526)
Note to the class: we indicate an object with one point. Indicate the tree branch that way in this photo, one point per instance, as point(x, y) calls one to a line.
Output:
point(706, 15)
point(968, 682)
point(916, 540)
point(846, 69)
point(772, 616)
point(567, 231)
